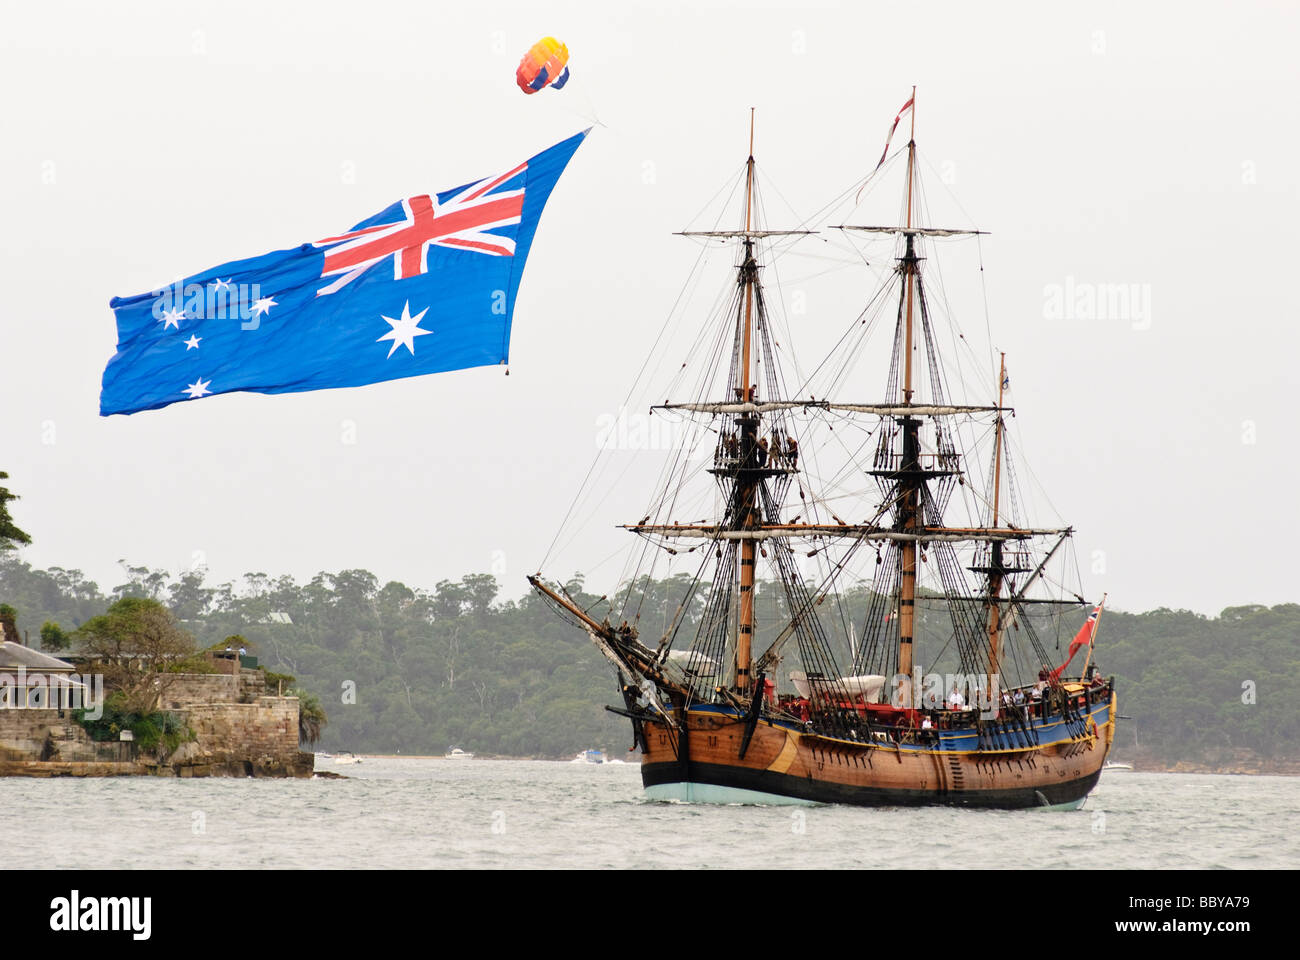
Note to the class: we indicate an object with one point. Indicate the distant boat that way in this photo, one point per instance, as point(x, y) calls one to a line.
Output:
point(345, 756)
point(456, 753)
point(1112, 765)
point(590, 756)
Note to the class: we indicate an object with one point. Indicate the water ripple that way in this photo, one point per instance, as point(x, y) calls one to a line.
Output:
point(532, 814)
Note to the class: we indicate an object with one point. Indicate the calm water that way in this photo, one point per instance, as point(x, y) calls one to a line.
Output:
point(534, 814)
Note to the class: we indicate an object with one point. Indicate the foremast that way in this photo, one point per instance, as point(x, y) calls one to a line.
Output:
point(747, 486)
point(753, 471)
point(910, 474)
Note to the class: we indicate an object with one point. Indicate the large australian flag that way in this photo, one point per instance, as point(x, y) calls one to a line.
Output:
point(424, 286)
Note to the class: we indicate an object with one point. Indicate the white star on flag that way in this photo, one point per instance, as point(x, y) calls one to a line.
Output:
point(218, 285)
point(198, 389)
point(193, 342)
point(172, 318)
point(405, 330)
point(263, 306)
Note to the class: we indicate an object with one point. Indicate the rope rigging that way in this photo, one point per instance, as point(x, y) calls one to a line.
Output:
point(763, 458)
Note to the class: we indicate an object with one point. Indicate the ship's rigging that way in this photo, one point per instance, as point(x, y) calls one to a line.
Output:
point(814, 481)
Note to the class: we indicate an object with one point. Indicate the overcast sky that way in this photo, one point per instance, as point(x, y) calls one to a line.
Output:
point(1102, 145)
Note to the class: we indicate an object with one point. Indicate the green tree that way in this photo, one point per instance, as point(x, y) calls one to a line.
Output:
point(10, 536)
point(53, 638)
point(140, 648)
point(8, 622)
point(141, 582)
point(189, 598)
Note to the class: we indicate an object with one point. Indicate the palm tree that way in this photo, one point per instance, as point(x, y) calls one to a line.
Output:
point(311, 716)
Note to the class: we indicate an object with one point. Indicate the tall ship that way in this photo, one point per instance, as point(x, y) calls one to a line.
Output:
point(850, 535)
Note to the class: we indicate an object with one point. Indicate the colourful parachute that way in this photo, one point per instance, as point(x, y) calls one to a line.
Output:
point(546, 63)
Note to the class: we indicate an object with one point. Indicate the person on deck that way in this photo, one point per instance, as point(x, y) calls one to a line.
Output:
point(955, 700)
point(762, 451)
point(791, 452)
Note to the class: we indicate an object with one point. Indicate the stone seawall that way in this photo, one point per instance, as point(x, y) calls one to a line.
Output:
point(257, 739)
point(239, 731)
point(53, 736)
point(185, 690)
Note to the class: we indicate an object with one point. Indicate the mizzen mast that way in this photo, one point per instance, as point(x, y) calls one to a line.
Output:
point(997, 567)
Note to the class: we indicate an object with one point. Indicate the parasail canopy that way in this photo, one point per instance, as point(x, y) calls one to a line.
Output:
point(545, 64)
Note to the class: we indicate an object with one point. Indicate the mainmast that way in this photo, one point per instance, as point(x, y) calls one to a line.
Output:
point(749, 432)
point(910, 468)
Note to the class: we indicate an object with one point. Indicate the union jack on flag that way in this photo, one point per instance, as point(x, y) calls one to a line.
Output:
point(428, 284)
point(1085, 634)
point(461, 221)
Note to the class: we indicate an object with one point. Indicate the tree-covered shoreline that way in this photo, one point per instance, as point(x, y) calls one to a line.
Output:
point(414, 671)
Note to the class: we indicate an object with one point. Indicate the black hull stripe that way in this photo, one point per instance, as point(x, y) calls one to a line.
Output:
point(823, 791)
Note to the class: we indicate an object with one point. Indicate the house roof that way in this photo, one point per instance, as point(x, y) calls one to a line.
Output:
point(15, 655)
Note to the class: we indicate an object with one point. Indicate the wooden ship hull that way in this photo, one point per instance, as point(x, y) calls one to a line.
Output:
point(783, 764)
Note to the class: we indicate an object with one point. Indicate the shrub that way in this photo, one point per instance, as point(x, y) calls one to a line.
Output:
point(150, 730)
